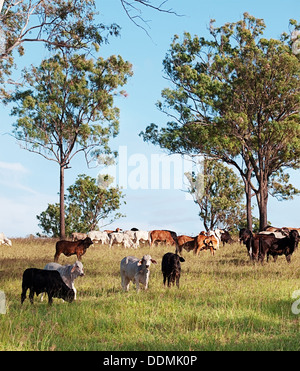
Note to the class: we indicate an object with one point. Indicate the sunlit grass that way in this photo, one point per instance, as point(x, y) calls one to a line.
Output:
point(224, 303)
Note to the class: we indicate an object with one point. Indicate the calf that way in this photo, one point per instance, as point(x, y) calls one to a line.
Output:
point(68, 273)
point(69, 248)
point(39, 280)
point(171, 268)
point(135, 270)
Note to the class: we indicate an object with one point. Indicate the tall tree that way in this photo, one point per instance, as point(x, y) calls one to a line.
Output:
point(236, 98)
point(70, 109)
point(219, 194)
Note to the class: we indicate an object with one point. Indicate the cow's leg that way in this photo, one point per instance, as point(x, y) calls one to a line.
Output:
point(125, 283)
point(23, 295)
point(169, 281)
point(74, 289)
point(31, 295)
point(50, 299)
point(136, 280)
point(165, 278)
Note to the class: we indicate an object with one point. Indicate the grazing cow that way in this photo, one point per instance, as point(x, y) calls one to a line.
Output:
point(69, 248)
point(98, 236)
point(122, 239)
point(67, 272)
point(131, 235)
point(168, 237)
point(217, 234)
point(171, 268)
point(200, 244)
point(39, 280)
point(4, 240)
point(143, 236)
point(185, 242)
point(212, 242)
point(135, 270)
point(271, 245)
point(76, 236)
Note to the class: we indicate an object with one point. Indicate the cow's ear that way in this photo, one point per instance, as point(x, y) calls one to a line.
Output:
point(140, 262)
point(73, 269)
point(153, 261)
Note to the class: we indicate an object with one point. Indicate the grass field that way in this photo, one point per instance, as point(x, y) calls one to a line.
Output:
point(224, 303)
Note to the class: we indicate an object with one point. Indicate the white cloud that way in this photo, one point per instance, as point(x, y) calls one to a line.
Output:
point(13, 166)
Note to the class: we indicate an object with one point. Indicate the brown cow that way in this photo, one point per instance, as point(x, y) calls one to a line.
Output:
point(69, 248)
point(185, 242)
point(163, 236)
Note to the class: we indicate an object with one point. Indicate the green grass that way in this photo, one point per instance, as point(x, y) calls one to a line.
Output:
point(224, 303)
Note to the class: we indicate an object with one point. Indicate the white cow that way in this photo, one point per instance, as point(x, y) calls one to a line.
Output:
point(216, 233)
point(4, 240)
point(120, 238)
point(135, 270)
point(67, 272)
point(76, 236)
point(143, 236)
point(98, 236)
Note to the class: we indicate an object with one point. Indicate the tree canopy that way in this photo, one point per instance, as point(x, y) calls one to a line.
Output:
point(236, 97)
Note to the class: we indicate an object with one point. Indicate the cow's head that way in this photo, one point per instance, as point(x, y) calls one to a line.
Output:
point(146, 261)
point(87, 242)
point(77, 269)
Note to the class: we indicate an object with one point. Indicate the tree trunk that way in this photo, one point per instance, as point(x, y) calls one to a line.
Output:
point(248, 207)
point(262, 201)
point(62, 203)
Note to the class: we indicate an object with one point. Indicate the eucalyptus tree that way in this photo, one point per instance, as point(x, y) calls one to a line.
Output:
point(235, 97)
point(69, 108)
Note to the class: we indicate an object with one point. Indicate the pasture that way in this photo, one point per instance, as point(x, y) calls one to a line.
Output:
point(224, 303)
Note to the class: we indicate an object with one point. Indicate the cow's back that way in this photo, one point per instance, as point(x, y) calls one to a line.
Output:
point(129, 266)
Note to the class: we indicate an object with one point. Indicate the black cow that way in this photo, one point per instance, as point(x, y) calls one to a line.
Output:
point(271, 245)
point(39, 280)
point(171, 268)
point(226, 238)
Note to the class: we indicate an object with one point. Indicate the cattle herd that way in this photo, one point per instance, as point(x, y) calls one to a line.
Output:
point(58, 280)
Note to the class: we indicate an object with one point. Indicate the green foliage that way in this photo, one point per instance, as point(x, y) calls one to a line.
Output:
point(70, 107)
point(59, 24)
point(219, 194)
point(236, 97)
point(86, 204)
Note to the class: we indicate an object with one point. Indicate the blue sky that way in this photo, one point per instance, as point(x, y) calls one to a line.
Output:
point(28, 182)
